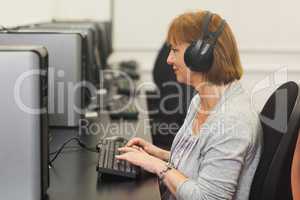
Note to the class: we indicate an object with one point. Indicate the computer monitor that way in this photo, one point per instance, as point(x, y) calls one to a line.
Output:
point(106, 37)
point(24, 123)
point(102, 30)
point(107, 26)
point(65, 71)
point(90, 71)
point(94, 64)
point(100, 50)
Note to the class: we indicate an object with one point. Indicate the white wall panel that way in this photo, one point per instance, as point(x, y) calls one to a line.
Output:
point(88, 9)
point(15, 12)
point(269, 24)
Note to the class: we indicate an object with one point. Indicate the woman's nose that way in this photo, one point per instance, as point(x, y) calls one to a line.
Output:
point(170, 59)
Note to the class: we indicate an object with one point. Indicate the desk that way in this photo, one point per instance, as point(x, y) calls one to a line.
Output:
point(74, 175)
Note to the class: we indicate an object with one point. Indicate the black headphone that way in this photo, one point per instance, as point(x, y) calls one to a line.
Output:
point(200, 53)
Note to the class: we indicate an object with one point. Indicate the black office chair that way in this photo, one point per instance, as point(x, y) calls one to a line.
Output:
point(280, 122)
point(162, 74)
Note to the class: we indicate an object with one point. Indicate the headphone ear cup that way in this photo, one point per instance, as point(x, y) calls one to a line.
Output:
point(199, 56)
point(188, 55)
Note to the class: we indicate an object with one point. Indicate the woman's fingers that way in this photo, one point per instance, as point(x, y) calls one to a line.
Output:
point(129, 156)
point(142, 150)
point(135, 141)
point(131, 142)
point(127, 149)
point(121, 157)
point(136, 147)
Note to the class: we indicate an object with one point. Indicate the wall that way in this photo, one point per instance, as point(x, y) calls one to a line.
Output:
point(263, 25)
point(267, 31)
point(87, 9)
point(15, 12)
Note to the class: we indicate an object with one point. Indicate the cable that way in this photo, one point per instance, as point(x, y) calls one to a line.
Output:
point(50, 137)
point(70, 148)
point(80, 143)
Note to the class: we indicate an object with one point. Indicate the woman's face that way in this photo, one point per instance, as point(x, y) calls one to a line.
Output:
point(176, 59)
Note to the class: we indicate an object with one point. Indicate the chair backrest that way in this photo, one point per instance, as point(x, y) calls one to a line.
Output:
point(279, 119)
point(172, 101)
point(162, 71)
point(295, 176)
point(180, 95)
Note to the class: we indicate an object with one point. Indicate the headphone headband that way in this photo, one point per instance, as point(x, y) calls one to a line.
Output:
point(200, 54)
point(218, 32)
point(207, 18)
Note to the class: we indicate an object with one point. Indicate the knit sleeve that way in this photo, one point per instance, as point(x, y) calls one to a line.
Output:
point(222, 163)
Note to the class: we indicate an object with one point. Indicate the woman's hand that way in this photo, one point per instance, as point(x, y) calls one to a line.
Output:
point(148, 148)
point(137, 156)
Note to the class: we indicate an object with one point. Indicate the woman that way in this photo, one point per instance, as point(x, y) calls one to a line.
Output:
point(216, 151)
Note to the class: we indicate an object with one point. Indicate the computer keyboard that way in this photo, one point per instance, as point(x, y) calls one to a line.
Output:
point(108, 165)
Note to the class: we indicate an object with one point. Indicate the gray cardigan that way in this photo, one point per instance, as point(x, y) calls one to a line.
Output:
point(220, 161)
